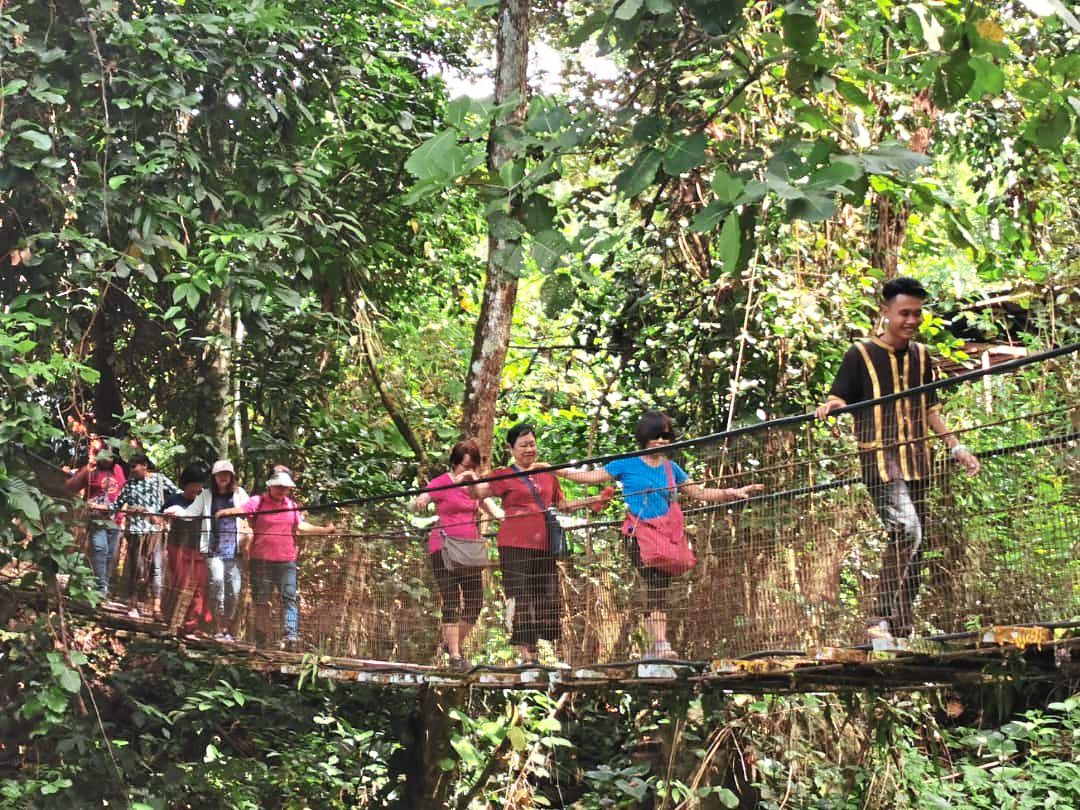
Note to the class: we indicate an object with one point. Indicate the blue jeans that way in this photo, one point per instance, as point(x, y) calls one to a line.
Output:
point(267, 575)
point(103, 547)
point(223, 583)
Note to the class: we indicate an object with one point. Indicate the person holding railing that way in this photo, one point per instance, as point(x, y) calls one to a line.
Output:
point(144, 492)
point(276, 521)
point(220, 542)
point(183, 605)
point(528, 563)
point(101, 479)
point(654, 528)
point(458, 552)
point(894, 453)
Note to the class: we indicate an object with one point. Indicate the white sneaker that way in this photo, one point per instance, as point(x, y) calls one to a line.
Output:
point(133, 613)
point(881, 637)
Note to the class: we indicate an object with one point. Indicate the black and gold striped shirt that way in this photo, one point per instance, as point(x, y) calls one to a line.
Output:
point(892, 437)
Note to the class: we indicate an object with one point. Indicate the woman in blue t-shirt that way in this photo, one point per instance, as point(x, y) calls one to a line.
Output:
point(648, 495)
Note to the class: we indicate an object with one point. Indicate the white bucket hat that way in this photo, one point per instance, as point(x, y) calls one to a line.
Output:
point(281, 479)
point(223, 465)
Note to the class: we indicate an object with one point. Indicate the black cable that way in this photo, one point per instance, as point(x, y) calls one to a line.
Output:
point(711, 438)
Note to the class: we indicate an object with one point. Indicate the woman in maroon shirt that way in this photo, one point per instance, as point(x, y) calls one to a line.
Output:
point(530, 575)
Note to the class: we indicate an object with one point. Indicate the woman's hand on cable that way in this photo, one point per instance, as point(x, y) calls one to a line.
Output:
point(739, 493)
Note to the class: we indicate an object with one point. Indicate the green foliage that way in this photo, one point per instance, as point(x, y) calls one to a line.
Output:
point(286, 184)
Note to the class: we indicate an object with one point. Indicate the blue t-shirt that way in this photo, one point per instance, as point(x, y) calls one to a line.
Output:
point(223, 535)
point(645, 488)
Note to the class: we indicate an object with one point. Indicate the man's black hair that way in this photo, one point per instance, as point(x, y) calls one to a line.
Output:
point(653, 425)
point(194, 473)
point(140, 458)
point(903, 285)
point(517, 431)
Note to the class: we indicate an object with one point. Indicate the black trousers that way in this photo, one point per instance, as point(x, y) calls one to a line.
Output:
point(531, 579)
point(461, 591)
point(657, 582)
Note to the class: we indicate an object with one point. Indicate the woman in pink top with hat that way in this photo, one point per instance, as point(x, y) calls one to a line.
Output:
point(276, 521)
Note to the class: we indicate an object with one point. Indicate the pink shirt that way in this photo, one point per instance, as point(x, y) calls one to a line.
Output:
point(101, 487)
point(272, 533)
point(456, 511)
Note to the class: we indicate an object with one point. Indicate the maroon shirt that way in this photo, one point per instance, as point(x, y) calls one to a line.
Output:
point(525, 525)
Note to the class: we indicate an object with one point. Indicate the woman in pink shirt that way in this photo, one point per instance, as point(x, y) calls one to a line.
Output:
point(460, 589)
point(102, 479)
point(275, 520)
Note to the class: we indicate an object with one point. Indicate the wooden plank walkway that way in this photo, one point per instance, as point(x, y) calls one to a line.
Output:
point(1021, 652)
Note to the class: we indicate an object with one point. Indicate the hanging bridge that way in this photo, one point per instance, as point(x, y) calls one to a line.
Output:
point(784, 580)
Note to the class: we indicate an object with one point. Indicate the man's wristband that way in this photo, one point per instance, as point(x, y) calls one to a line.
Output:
point(957, 449)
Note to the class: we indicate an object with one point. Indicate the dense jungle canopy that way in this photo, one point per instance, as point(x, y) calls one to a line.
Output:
point(344, 234)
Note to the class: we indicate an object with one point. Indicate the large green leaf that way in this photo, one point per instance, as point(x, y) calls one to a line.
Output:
point(462, 110)
point(729, 243)
point(800, 27)
point(548, 248)
point(989, 78)
point(557, 294)
point(637, 177)
point(891, 158)
point(546, 115)
point(816, 206)
point(716, 17)
point(684, 154)
point(1050, 128)
point(627, 9)
point(38, 138)
point(710, 216)
point(21, 501)
point(954, 80)
point(538, 213)
point(439, 157)
point(726, 186)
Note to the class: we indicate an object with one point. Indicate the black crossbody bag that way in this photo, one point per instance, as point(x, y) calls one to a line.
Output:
point(556, 534)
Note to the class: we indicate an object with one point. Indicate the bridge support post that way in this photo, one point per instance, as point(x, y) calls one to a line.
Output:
point(427, 786)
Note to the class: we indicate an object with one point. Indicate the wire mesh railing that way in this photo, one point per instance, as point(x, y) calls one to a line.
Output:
point(825, 551)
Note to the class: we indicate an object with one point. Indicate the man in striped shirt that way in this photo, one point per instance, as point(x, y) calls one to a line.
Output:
point(143, 492)
point(894, 453)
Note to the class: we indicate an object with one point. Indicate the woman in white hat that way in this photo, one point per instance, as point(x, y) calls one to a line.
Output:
point(276, 521)
point(221, 542)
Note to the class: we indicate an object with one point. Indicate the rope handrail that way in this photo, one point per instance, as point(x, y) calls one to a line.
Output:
point(790, 494)
point(708, 439)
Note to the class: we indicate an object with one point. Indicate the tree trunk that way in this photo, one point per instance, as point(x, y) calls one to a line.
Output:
point(108, 401)
point(892, 215)
point(215, 389)
point(492, 336)
point(427, 785)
